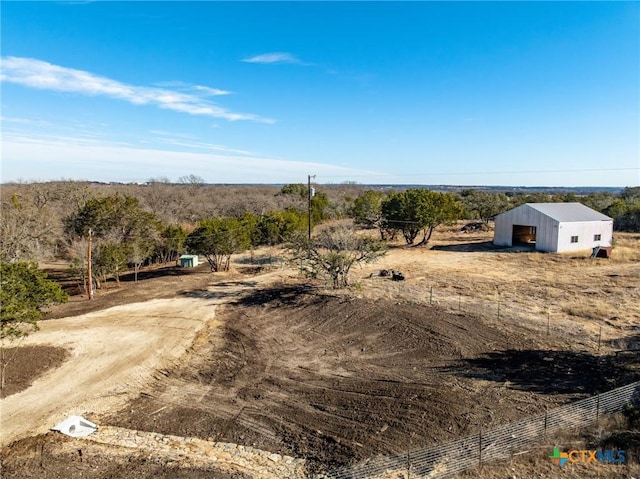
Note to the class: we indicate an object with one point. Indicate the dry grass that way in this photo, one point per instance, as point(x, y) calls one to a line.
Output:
point(537, 458)
point(627, 248)
point(594, 309)
point(579, 295)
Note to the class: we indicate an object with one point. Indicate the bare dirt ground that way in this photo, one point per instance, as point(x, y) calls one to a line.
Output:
point(335, 380)
point(22, 365)
point(332, 377)
point(112, 354)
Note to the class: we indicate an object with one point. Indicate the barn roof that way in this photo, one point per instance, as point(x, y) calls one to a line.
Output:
point(568, 212)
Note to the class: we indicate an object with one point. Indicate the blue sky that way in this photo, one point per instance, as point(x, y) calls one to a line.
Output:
point(479, 93)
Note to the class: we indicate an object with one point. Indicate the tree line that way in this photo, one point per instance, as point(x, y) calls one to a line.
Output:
point(419, 210)
point(120, 232)
point(133, 225)
point(59, 220)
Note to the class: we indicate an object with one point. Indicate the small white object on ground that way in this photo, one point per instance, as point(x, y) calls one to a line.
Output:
point(75, 426)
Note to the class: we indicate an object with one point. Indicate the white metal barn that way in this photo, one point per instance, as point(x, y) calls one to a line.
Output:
point(553, 227)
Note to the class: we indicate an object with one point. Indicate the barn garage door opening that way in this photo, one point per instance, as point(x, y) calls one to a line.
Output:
point(523, 235)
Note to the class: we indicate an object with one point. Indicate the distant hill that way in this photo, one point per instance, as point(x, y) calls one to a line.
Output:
point(551, 190)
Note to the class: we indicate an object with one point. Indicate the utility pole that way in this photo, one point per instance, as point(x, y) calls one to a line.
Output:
point(309, 195)
point(89, 279)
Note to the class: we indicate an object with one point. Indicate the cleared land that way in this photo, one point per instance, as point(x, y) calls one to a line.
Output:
point(332, 377)
point(113, 354)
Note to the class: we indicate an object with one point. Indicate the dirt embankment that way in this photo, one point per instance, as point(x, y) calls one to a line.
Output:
point(336, 379)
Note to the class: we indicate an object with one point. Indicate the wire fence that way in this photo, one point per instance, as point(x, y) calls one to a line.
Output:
point(582, 331)
point(544, 318)
point(453, 457)
point(447, 459)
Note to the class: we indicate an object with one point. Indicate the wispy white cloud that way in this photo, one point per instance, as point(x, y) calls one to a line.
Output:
point(42, 75)
point(23, 121)
point(52, 157)
point(193, 143)
point(211, 91)
point(275, 57)
point(195, 89)
point(173, 134)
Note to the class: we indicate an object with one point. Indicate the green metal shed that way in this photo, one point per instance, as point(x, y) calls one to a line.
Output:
point(189, 260)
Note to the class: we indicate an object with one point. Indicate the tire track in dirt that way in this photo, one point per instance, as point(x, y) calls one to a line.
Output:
point(328, 378)
point(114, 354)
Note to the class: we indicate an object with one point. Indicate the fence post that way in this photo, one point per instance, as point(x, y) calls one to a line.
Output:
point(408, 465)
point(431, 295)
point(498, 310)
point(546, 413)
point(599, 338)
point(598, 410)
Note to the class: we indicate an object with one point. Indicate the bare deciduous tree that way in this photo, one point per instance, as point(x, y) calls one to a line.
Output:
point(28, 230)
point(333, 251)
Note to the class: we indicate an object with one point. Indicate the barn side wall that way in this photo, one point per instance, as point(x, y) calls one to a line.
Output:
point(503, 229)
point(585, 231)
point(546, 227)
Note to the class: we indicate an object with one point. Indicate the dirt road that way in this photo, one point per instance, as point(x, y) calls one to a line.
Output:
point(113, 354)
